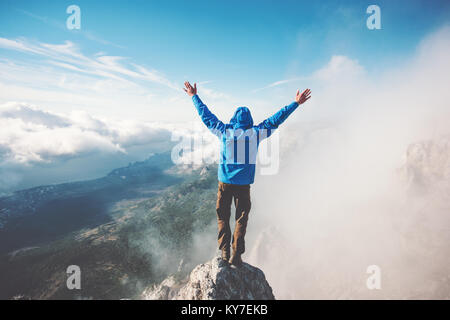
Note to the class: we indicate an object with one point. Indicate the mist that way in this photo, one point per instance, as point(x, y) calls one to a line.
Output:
point(347, 195)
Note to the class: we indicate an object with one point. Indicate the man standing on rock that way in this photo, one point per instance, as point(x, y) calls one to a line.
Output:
point(240, 140)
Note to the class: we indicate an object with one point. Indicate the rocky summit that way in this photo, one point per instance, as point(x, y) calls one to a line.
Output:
point(214, 280)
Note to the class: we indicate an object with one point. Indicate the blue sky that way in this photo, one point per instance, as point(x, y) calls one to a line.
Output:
point(115, 85)
point(241, 45)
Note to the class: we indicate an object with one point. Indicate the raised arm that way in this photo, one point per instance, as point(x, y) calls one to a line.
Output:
point(278, 118)
point(208, 118)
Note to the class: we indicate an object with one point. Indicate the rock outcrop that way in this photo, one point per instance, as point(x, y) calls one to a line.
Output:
point(427, 166)
point(215, 280)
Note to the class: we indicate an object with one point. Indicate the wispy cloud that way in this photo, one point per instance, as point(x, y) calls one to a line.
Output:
point(57, 24)
point(334, 68)
point(68, 55)
point(279, 83)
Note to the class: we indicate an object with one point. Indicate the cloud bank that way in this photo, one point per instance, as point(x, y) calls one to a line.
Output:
point(34, 142)
point(30, 135)
point(344, 201)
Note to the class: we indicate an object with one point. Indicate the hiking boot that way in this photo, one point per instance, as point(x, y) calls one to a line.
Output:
point(236, 259)
point(226, 254)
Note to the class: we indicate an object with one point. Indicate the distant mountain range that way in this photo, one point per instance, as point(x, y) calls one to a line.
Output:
point(43, 213)
point(126, 231)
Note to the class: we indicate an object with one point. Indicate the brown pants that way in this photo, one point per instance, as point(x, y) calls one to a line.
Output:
point(241, 195)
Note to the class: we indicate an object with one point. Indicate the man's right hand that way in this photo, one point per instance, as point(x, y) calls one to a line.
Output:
point(301, 98)
point(190, 90)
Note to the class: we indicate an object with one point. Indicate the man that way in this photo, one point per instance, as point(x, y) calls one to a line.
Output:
point(240, 140)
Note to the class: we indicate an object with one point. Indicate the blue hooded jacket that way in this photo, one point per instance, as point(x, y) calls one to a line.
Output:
point(240, 140)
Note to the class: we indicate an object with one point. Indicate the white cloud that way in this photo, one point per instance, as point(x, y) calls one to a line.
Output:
point(338, 68)
point(68, 56)
point(28, 134)
point(340, 202)
point(213, 94)
point(39, 147)
point(279, 83)
point(31, 114)
point(17, 45)
point(62, 78)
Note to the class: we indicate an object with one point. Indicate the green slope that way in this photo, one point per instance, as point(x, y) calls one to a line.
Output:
point(142, 244)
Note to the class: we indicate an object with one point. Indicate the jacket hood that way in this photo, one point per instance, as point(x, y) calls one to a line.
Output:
point(242, 118)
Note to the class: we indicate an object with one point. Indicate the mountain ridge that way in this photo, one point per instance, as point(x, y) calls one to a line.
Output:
point(142, 242)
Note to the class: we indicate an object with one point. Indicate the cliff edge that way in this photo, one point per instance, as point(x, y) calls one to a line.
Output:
point(214, 280)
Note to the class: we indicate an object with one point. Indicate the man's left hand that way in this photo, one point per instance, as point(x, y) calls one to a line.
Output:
point(301, 98)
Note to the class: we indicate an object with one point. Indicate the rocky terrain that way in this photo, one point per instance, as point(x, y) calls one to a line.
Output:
point(214, 280)
point(427, 166)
